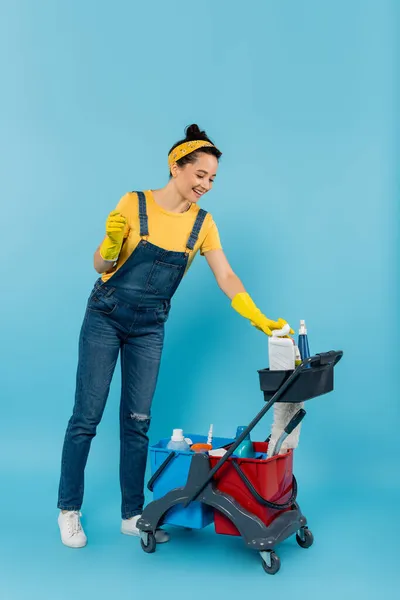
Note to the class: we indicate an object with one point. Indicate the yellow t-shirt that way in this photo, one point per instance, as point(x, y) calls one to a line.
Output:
point(168, 230)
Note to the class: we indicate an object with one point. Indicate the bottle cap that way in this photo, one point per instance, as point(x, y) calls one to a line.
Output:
point(303, 328)
point(281, 332)
point(200, 447)
point(177, 435)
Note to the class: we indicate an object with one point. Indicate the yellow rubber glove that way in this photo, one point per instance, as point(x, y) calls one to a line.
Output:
point(116, 230)
point(245, 306)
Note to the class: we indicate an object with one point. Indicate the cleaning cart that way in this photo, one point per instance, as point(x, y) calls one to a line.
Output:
point(254, 498)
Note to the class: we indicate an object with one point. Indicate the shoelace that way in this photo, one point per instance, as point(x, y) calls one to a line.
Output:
point(74, 523)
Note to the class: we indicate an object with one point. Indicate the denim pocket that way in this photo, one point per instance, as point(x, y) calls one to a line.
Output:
point(164, 278)
point(162, 314)
point(102, 300)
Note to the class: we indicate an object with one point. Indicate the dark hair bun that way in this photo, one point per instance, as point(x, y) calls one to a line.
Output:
point(193, 132)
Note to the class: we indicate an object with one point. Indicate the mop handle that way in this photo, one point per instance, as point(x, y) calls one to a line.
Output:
point(293, 423)
point(325, 359)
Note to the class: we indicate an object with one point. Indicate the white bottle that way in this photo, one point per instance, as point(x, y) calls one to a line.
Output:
point(177, 441)
point(281, 350)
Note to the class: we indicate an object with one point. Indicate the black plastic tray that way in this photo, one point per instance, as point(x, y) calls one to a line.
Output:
point(310, 383)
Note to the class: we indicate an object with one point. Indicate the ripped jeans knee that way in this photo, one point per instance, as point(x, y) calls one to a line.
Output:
point(139, 417)
point(136, 424)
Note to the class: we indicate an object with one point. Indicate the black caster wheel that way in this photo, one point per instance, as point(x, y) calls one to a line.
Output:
point(306, 540)
point(274, 566)
point(150, 547)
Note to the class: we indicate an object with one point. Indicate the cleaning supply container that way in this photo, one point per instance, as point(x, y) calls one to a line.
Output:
point(281, 350)
point(271, 478)
point(177, 441)
point(303, 341)
point(246, 449)
point(260, 503)
point(170, 469)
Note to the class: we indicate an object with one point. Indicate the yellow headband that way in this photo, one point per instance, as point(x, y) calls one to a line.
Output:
point(187, 148)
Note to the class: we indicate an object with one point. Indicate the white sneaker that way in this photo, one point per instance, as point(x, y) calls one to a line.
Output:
point(129, 527)
point(72, 534)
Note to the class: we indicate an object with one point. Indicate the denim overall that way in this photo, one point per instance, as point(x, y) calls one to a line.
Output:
point(124, 315)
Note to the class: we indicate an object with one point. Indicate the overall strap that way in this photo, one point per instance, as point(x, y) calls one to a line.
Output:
point(196, 229)
point(144, 221)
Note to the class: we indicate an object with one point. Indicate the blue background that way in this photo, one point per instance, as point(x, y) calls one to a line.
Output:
point(301, 97)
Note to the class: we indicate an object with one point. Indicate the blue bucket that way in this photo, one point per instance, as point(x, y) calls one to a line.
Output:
point(196, 515)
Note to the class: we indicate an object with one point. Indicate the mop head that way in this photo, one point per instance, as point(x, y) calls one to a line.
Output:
point(283, 412)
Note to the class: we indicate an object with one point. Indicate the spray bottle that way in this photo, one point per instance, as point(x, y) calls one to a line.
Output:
point(303, 341)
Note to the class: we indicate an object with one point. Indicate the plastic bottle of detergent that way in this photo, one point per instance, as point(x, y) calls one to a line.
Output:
point(177, 441)
point(281, 350)
point(245, 450)
point(297, 355)
point(303, 341)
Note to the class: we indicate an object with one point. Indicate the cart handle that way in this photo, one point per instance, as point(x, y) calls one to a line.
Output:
point(160, 469)
point(259, 498)
point(325, 360)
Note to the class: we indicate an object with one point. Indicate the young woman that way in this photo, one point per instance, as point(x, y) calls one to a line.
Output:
point(151, 240)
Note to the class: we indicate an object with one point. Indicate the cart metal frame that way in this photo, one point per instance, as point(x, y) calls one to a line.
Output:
point(200, 486)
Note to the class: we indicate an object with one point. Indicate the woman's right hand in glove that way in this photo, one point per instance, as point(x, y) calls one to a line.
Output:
point(116, 230)
point(244, 305)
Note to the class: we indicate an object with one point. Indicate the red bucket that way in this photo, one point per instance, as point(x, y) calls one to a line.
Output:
point(272, 478)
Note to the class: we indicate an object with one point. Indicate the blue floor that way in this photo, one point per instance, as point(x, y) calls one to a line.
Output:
point(350, 556)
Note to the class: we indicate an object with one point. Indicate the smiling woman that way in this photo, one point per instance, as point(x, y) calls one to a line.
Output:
point(151, 240)
point(198, 144)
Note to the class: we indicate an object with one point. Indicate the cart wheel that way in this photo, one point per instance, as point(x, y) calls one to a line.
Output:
point(308, 538)
point(274, 566)
point(150, 547)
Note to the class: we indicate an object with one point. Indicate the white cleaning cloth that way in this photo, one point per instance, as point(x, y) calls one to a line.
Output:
point(283, 412)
